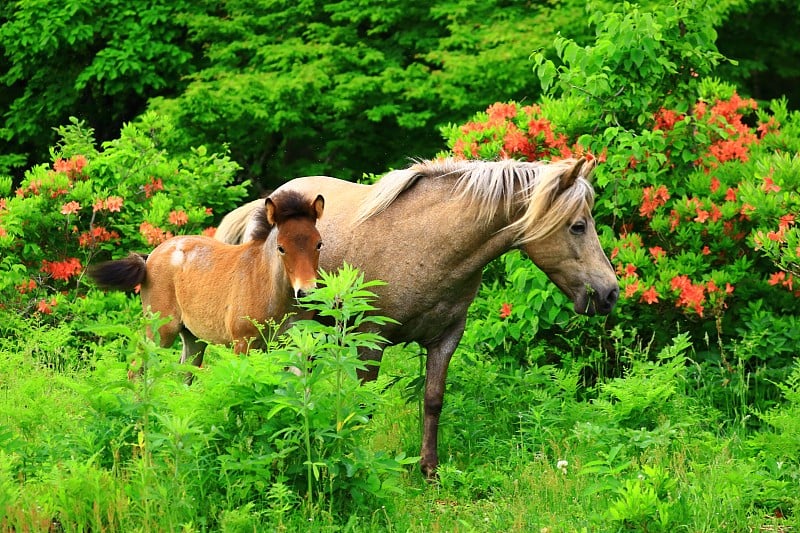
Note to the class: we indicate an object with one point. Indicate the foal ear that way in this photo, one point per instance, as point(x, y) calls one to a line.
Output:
point(319, 205)
point(582, 167)
point(269, 207)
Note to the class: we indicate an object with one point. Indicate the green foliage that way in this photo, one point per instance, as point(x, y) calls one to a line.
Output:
point(638, 56)
point(118, 58)
point(292, 103)
point(516, 306)
point(252, 441)
point(94, 204)
point(697, 187)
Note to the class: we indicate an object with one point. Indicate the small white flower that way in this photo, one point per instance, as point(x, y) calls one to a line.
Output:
point(562, 465)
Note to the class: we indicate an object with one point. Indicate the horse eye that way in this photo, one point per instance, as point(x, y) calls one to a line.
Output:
point(319, 245)
point(578, 228)
point(281, 249)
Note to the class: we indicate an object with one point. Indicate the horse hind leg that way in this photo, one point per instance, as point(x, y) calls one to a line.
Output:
point(193, 349)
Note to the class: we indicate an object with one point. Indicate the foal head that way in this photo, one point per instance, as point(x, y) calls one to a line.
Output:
point(298, 241)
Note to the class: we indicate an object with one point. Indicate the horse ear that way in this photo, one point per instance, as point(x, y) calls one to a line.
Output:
point(269, 207)
point(568, 178)
point(319, 205)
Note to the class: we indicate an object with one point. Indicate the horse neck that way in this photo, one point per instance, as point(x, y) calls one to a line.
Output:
point(473, 242)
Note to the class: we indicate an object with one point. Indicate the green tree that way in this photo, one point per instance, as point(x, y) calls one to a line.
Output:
point(99, 60)
point(353, 86)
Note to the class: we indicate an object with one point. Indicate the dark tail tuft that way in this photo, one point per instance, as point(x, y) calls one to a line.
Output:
point(123, 274)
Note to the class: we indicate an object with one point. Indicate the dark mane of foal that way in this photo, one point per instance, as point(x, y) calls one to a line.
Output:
point(288, 205)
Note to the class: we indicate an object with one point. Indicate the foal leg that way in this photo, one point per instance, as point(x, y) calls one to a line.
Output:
point(439, 355)
point(192, 348)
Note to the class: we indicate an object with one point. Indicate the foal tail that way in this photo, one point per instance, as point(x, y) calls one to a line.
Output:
point(123, 274)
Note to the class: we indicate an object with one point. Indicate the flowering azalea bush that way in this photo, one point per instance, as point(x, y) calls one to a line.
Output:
point(93, 204)
point(704, 240)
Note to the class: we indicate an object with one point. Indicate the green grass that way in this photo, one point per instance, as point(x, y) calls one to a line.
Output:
point(82, 447)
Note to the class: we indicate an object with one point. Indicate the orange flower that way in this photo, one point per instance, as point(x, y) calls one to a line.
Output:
point(153, 187)
point(27, 286)
point(96, 235)
point(152, 234)
point(70, 208)
point(690, 296)
point(631, 289)
point(652, 199)
point(499, 112)
point(650, 296)
point(178, 218)
point(769, 185)
point(657, 252)
point(112, 203)
point(62, 269)
point(776, 278)
point(45, 307)
point(505, 311)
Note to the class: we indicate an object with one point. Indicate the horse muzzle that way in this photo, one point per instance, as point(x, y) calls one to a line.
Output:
point(593, 301)
point(303, 290)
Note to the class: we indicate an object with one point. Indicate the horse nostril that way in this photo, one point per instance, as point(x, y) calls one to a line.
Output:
point(300, 293)
point(606, 304)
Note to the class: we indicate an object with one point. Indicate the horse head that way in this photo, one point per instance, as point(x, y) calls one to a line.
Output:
point(569, 252)
point(298, 241)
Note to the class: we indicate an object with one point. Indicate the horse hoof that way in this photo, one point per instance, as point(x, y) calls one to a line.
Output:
point(429, 471)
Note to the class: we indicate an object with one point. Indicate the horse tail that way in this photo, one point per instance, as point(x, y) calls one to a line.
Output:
point(233, 227)
point(123, 274)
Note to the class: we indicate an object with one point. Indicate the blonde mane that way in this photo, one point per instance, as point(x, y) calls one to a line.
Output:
point(496, 187)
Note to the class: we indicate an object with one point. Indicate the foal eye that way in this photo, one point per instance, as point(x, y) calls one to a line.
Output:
point(319, 245)
point(578, 228)
point(281, 249)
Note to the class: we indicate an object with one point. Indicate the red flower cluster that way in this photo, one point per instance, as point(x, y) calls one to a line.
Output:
point(46, 307)
point(785, 281)
point(522, 132)
point(178, 218)
point(652, 199)
point(153, 187)
point(505, 311)
point(28, 286)
point(153, 235)
point(735, 139)
point(690, 295)
point(62, 270)
point(96, 235)
point(72, 167)
point(112, 204)
point(665, 119)
point(70, 208)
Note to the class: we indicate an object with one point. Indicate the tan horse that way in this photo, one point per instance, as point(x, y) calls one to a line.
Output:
point(215, 291)
point(429, 230)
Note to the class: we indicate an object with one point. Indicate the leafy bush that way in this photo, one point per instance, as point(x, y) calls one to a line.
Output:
point(92, 204)
point(698, 190)
point(254, 440)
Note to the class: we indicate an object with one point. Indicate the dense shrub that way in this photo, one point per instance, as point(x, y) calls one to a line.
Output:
point(93, 203)
point(697, 198)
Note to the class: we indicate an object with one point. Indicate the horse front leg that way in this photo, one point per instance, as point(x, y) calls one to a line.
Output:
point(439, 355)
